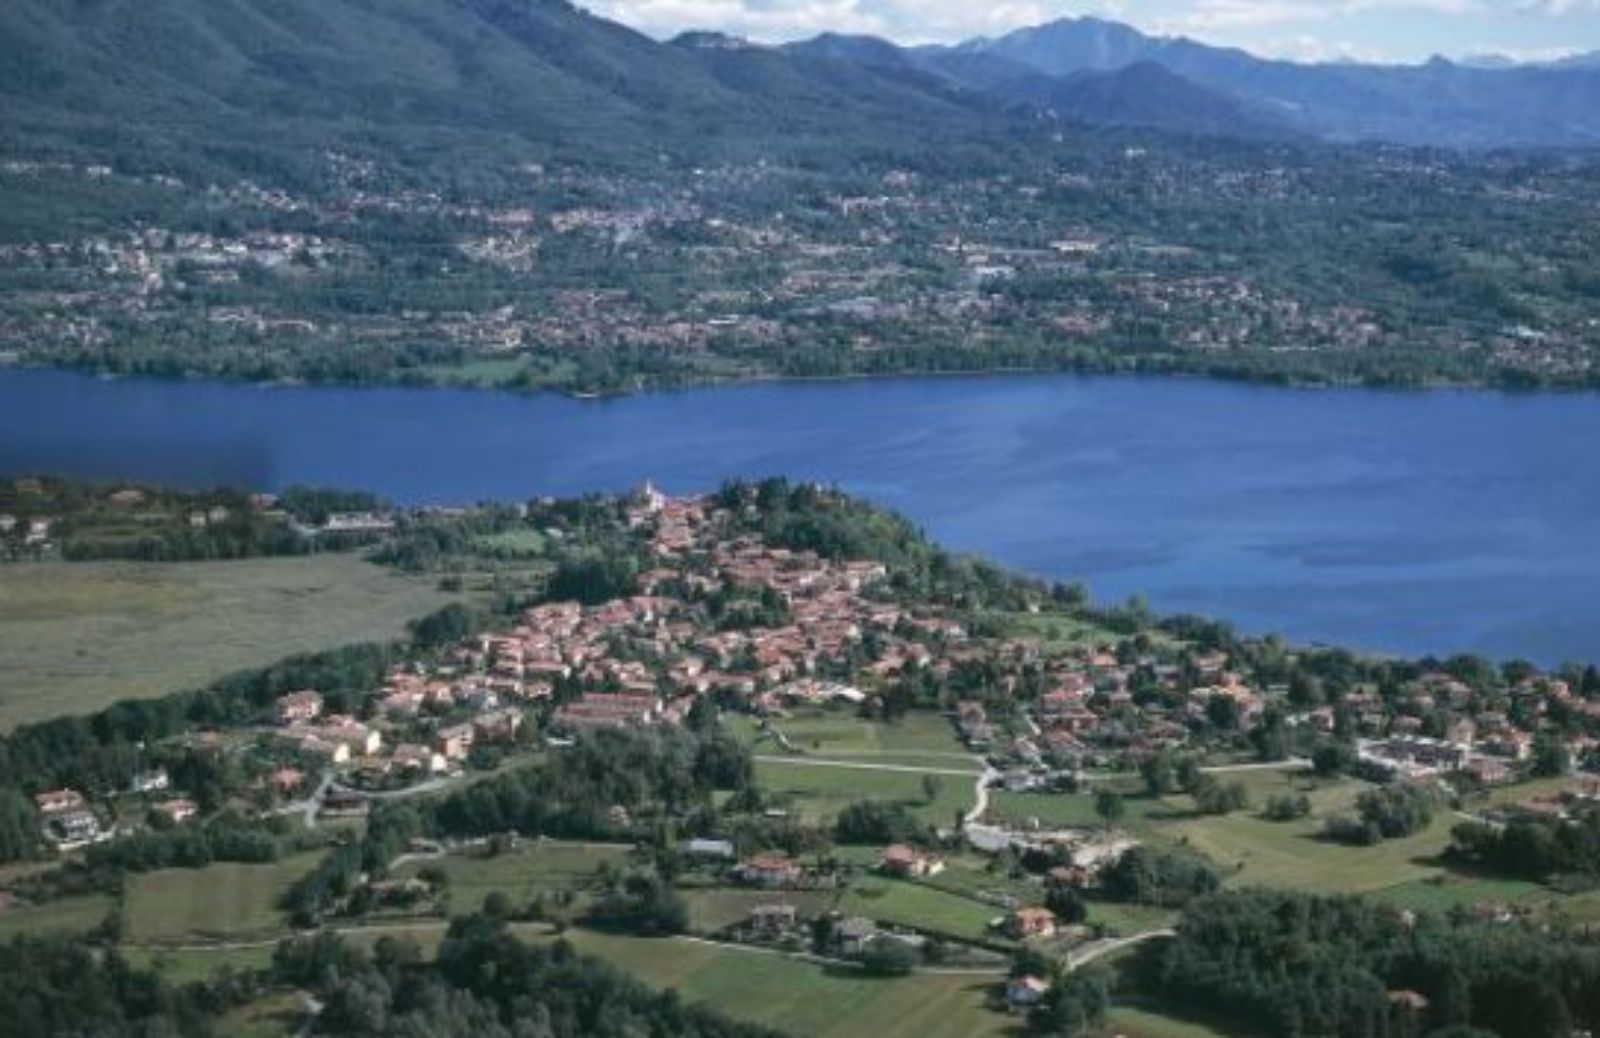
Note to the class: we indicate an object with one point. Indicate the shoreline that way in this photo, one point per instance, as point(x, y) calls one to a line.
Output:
point(648, 388)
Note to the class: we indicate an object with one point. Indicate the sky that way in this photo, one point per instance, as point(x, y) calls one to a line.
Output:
point(1310, 30)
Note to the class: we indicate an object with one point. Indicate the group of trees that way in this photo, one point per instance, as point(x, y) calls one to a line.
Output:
point(1168, 772)
point(877, 822)
point(1386, 813)
point(599, 787)
point(61, 986)
point(1155, 876)
point(486, 983)
point(1538, 849)
point(227, 838)
point(1301, 966)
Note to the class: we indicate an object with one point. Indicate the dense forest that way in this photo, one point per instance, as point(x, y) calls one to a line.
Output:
point(1302, 966)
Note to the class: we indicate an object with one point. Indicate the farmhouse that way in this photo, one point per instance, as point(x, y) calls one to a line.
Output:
point(770, 870)
point(1026, 923)
point(59, 800)
point(299, 707)
point(908, 862)
point(177, 811)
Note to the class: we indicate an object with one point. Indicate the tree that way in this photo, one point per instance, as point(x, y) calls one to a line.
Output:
point(1067, 904)
point(1160, 773)
point(1223, 713)
point(1214, 798)
point(932, 786)
point(1154, 876)
point(1110, 806)
point(1332, 758)
point(877, 822)
point(887, 957)
point(1550, 756)
point(1075, 1006)
point(1286, 807)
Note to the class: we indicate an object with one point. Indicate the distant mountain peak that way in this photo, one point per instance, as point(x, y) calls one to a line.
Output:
point(698, 39)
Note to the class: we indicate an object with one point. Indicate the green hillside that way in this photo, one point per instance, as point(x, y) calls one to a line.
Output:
point(257, 83)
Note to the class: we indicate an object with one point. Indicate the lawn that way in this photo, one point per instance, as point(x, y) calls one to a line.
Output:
point(802, 998)
point(76, 637)
point(69, 915)
point(840, 734)
point(926, 908)
point(225, 901)
point(522, 873)
point(186, 965)
point(712, 910)
point(819, 793)
point(1054, 632)
point(1144, 1023)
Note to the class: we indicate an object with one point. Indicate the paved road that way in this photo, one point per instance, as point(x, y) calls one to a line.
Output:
point(1081, 957)
point(309, 807)
point(981, 796)
point(1287, 764)
point(856, 765)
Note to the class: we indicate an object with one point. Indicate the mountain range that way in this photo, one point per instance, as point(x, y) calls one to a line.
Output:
point(258, 84)
point(1080, 69)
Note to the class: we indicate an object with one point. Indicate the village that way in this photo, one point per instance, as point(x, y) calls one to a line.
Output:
point(534, 299)
point(1012, 794)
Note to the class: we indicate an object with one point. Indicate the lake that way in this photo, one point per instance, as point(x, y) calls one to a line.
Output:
point(1406, 522)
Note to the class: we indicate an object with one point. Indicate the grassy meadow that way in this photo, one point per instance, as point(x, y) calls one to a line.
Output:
point(76, 637)
point(222, 902)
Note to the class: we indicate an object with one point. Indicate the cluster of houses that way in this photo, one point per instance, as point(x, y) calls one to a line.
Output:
point(69, 821)
point(359, 747)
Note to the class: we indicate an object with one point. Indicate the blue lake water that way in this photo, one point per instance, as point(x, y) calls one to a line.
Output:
point(1409, 522)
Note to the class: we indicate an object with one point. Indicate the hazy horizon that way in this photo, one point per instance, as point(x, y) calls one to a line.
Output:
point(1389, 31)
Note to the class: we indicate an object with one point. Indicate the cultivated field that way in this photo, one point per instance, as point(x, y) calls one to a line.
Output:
point(75, 637)
point(520, 874)
point(801, 998)
point(225, 901)
point(819, 792)
point(71, 915)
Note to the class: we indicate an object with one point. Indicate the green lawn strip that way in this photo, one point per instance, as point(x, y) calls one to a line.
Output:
point(1141, 1022)
point(819, 793)
point(183, 965)
point(520, 874)
point(803, 998)
point(716, 909)
point(224, 901)
point(277, 1015)
point(922, 907)
point(1056, 633)
point(68, 915)
point(835, 732)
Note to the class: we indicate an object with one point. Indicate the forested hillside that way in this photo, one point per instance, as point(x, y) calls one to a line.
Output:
point(535, 80)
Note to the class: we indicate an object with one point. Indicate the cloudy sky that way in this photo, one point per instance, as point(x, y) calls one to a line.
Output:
point(1384, 30)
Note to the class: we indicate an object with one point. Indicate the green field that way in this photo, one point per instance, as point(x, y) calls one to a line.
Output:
point(840, 734)
point(802, 998)
point(1143, 1023)
point(76, 637)
point(225, 901)
point(717, 909)
point(1054, 632)
point(522, 873)
point(819, 793)
point(69, 915)
point(922, 907)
